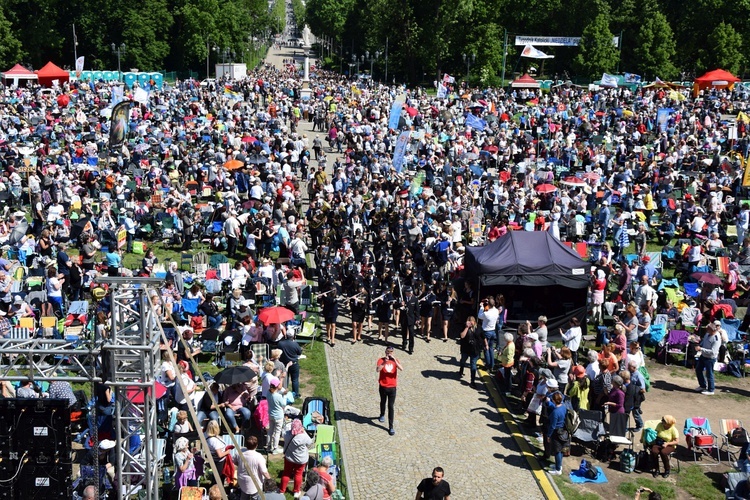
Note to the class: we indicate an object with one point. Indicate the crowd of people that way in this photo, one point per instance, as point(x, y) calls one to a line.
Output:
point(384, 205)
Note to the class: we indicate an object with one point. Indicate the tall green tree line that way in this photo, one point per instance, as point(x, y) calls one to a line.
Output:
point(665, 38)
point(158, 34)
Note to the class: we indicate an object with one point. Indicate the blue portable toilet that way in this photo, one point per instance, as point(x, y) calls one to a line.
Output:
point(108, 76)
point(85, 76)
point(97, 75)
point(129, 78)
point(143, 79)
point(158, 79)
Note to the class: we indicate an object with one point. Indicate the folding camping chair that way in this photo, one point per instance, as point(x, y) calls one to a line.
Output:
point(677, 343)
point(228, 441)
point(323, 434)
point(192, 492)
point(731, 448)
point(590, 430)
point(309, 330)
point(186, 259)
point(700, 440)
point(651, 424)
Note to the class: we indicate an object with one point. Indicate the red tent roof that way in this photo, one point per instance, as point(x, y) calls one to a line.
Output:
point(19, 71)
point(525, 81)
point(717, 75)
point(50, 72)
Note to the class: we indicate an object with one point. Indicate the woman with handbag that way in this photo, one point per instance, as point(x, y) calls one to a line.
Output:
point(664, 445)
point(296, 444)
point(558, 436)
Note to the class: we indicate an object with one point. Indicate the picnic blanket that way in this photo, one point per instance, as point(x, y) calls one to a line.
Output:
point(577, 478)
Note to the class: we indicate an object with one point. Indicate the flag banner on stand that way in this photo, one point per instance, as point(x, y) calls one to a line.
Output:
point(79, 66)
point(395, 115)
point(119, 125)
point(442, 91)
point(662, 117)
point(448, 79)
point(400, 151)
point(608, 80)
point(533, 53)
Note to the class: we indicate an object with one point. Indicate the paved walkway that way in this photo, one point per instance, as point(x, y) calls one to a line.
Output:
point(440, 421)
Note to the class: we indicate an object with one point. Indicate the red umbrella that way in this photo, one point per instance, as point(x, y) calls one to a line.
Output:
point(545, 188)
point(63, 100)
point(136, 394)
point(491, 149)
point(276, 314)
point(249, 138)
point(591, 176)
point(411, 111)
point(573, 181)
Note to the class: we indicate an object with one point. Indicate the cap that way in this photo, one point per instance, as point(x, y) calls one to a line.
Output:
point(107, 444)
point(389, 348)
point(717, 322)
point(275, 382)
point(18, 299)
point(578, 371)
point(546, 373)
point(552, 383)
point(407, 289)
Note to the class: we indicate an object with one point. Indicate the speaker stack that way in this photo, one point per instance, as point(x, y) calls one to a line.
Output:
point(35, 449)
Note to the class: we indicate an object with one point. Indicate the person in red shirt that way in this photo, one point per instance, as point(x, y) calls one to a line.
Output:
point(387, 369)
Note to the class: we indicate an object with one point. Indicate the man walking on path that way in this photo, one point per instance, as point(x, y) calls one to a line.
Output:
point(434, 488)
point(387, 369)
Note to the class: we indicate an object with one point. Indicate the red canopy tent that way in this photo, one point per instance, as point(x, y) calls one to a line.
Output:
point(717, 78)
point(525, 82)
point(51, 72)
point(17, 73)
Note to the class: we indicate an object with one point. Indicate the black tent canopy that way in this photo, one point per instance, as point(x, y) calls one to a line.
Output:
point(535, 272)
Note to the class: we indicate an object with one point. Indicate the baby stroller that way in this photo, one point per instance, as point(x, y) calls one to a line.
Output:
point(315, 411)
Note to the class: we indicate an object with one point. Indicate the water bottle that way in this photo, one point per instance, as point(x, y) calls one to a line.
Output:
point(167, 476)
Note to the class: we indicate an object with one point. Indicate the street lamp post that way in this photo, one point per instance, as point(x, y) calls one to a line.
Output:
point(469, 60)
point(118, 49)
point(372, 58)
point(208, 56)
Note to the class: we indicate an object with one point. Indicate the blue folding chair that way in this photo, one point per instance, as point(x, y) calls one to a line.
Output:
point(190, 306)
point(691, 289)
point(657, 333)
point(732, 327)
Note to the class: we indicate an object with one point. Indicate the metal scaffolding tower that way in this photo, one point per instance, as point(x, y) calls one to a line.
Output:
point(129, 360)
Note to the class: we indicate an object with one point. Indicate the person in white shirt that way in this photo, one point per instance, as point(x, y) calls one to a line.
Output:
point(572, 338)
point(489, 315)
point(257, 464)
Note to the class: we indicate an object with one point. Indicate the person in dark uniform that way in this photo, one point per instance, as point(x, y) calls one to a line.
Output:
point(329, 297)
point(426, 310)
point(383, 310)
point(359, 305)
point(409, 319)
point(448, 301)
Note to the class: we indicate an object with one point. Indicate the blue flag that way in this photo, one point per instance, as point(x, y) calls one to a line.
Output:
point(475, 122)
point(662, 117)
point(395, 115)
point(398, 154)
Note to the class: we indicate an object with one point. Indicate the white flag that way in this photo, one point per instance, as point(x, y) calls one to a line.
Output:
point(442, 92)
point(79, 64)
point(608, 80)
point(140, 95)
point(533, 53)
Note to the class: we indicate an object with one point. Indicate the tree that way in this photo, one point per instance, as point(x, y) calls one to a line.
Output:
point(724, 49)
point(596, 52)
point(655, 47)
point(328, 17)
point(10, 48)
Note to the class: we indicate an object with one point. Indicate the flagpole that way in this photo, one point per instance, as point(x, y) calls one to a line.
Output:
point(75, 45)
point(505, 51)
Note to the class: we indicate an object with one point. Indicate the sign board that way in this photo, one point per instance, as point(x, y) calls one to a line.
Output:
point(732, 132)
point(122, 237)
point(475, 229)
point(556, 41)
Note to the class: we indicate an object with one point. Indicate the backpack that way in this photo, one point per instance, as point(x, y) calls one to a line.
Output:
point(627, 461)
point(738, 437)
point(643, 461)
point(572, 421)
point(734, 368)
point(587, 470)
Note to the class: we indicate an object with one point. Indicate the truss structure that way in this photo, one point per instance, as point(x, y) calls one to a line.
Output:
point(127, 361)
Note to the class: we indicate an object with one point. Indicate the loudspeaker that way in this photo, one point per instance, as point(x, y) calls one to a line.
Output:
point(35, 449)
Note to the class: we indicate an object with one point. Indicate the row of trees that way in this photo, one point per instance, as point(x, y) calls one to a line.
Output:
point(158, 34)
point(664, 38)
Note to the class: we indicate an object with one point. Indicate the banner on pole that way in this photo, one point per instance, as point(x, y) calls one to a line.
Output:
point(400, 151)
point(608, 80)
point(119, 126)
point(662, 117)
point(533, 53)
point(79, 66)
